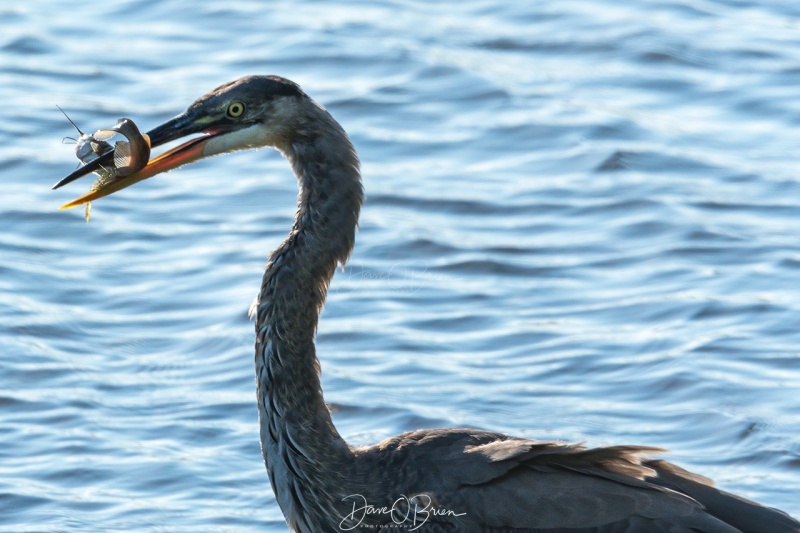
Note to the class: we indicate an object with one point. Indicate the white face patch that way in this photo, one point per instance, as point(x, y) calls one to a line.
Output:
point(254, 136)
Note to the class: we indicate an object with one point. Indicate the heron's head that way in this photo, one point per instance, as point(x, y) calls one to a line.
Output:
point(250, 112)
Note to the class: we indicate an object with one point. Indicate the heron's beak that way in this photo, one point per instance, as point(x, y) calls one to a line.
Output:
point(180, 126)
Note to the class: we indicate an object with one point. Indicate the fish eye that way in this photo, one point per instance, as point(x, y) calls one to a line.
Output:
point(235, 110)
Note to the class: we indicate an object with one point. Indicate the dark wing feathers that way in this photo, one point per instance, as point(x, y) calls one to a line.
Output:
point(504, 483)
point(746, 514)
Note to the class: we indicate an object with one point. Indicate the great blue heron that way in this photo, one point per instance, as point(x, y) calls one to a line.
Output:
point(460, 480)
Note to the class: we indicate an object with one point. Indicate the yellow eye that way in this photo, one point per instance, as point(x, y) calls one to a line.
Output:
point(235, 109)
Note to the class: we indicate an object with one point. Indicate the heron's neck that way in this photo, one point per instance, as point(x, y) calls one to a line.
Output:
point(298, 438)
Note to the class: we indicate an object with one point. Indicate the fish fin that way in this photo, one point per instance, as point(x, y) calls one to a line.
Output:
point(122, 155)
point(100, 148)
point(103, 135)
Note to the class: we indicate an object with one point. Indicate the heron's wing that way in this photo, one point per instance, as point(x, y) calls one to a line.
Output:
point(549, 485)
point(745, 514)
point(502, 482)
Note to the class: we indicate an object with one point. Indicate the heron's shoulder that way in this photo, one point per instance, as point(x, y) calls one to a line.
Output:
point(424, 439)
point(489, 454)
point(457, 444)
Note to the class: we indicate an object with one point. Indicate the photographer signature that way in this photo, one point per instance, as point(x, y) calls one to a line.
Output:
point(414, 511)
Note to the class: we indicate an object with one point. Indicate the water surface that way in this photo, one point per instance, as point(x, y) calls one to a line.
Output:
point(582, 223)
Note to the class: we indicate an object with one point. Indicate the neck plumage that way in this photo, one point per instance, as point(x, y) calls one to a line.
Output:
point(301, 447)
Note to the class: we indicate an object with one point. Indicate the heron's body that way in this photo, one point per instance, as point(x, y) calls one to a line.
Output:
point(458, 480)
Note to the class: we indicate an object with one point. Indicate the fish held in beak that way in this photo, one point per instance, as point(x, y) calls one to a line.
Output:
point(130, 163)
point(127, 156)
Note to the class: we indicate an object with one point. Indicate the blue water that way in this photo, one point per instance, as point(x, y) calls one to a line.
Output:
point(583, 223)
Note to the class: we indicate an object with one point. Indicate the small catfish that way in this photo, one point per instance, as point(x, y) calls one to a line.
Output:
point(130, 156)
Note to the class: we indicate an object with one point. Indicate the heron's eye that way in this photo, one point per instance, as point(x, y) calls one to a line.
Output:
point(235, 110)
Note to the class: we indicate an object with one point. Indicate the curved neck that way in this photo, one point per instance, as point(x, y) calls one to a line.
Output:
point(298, 439)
